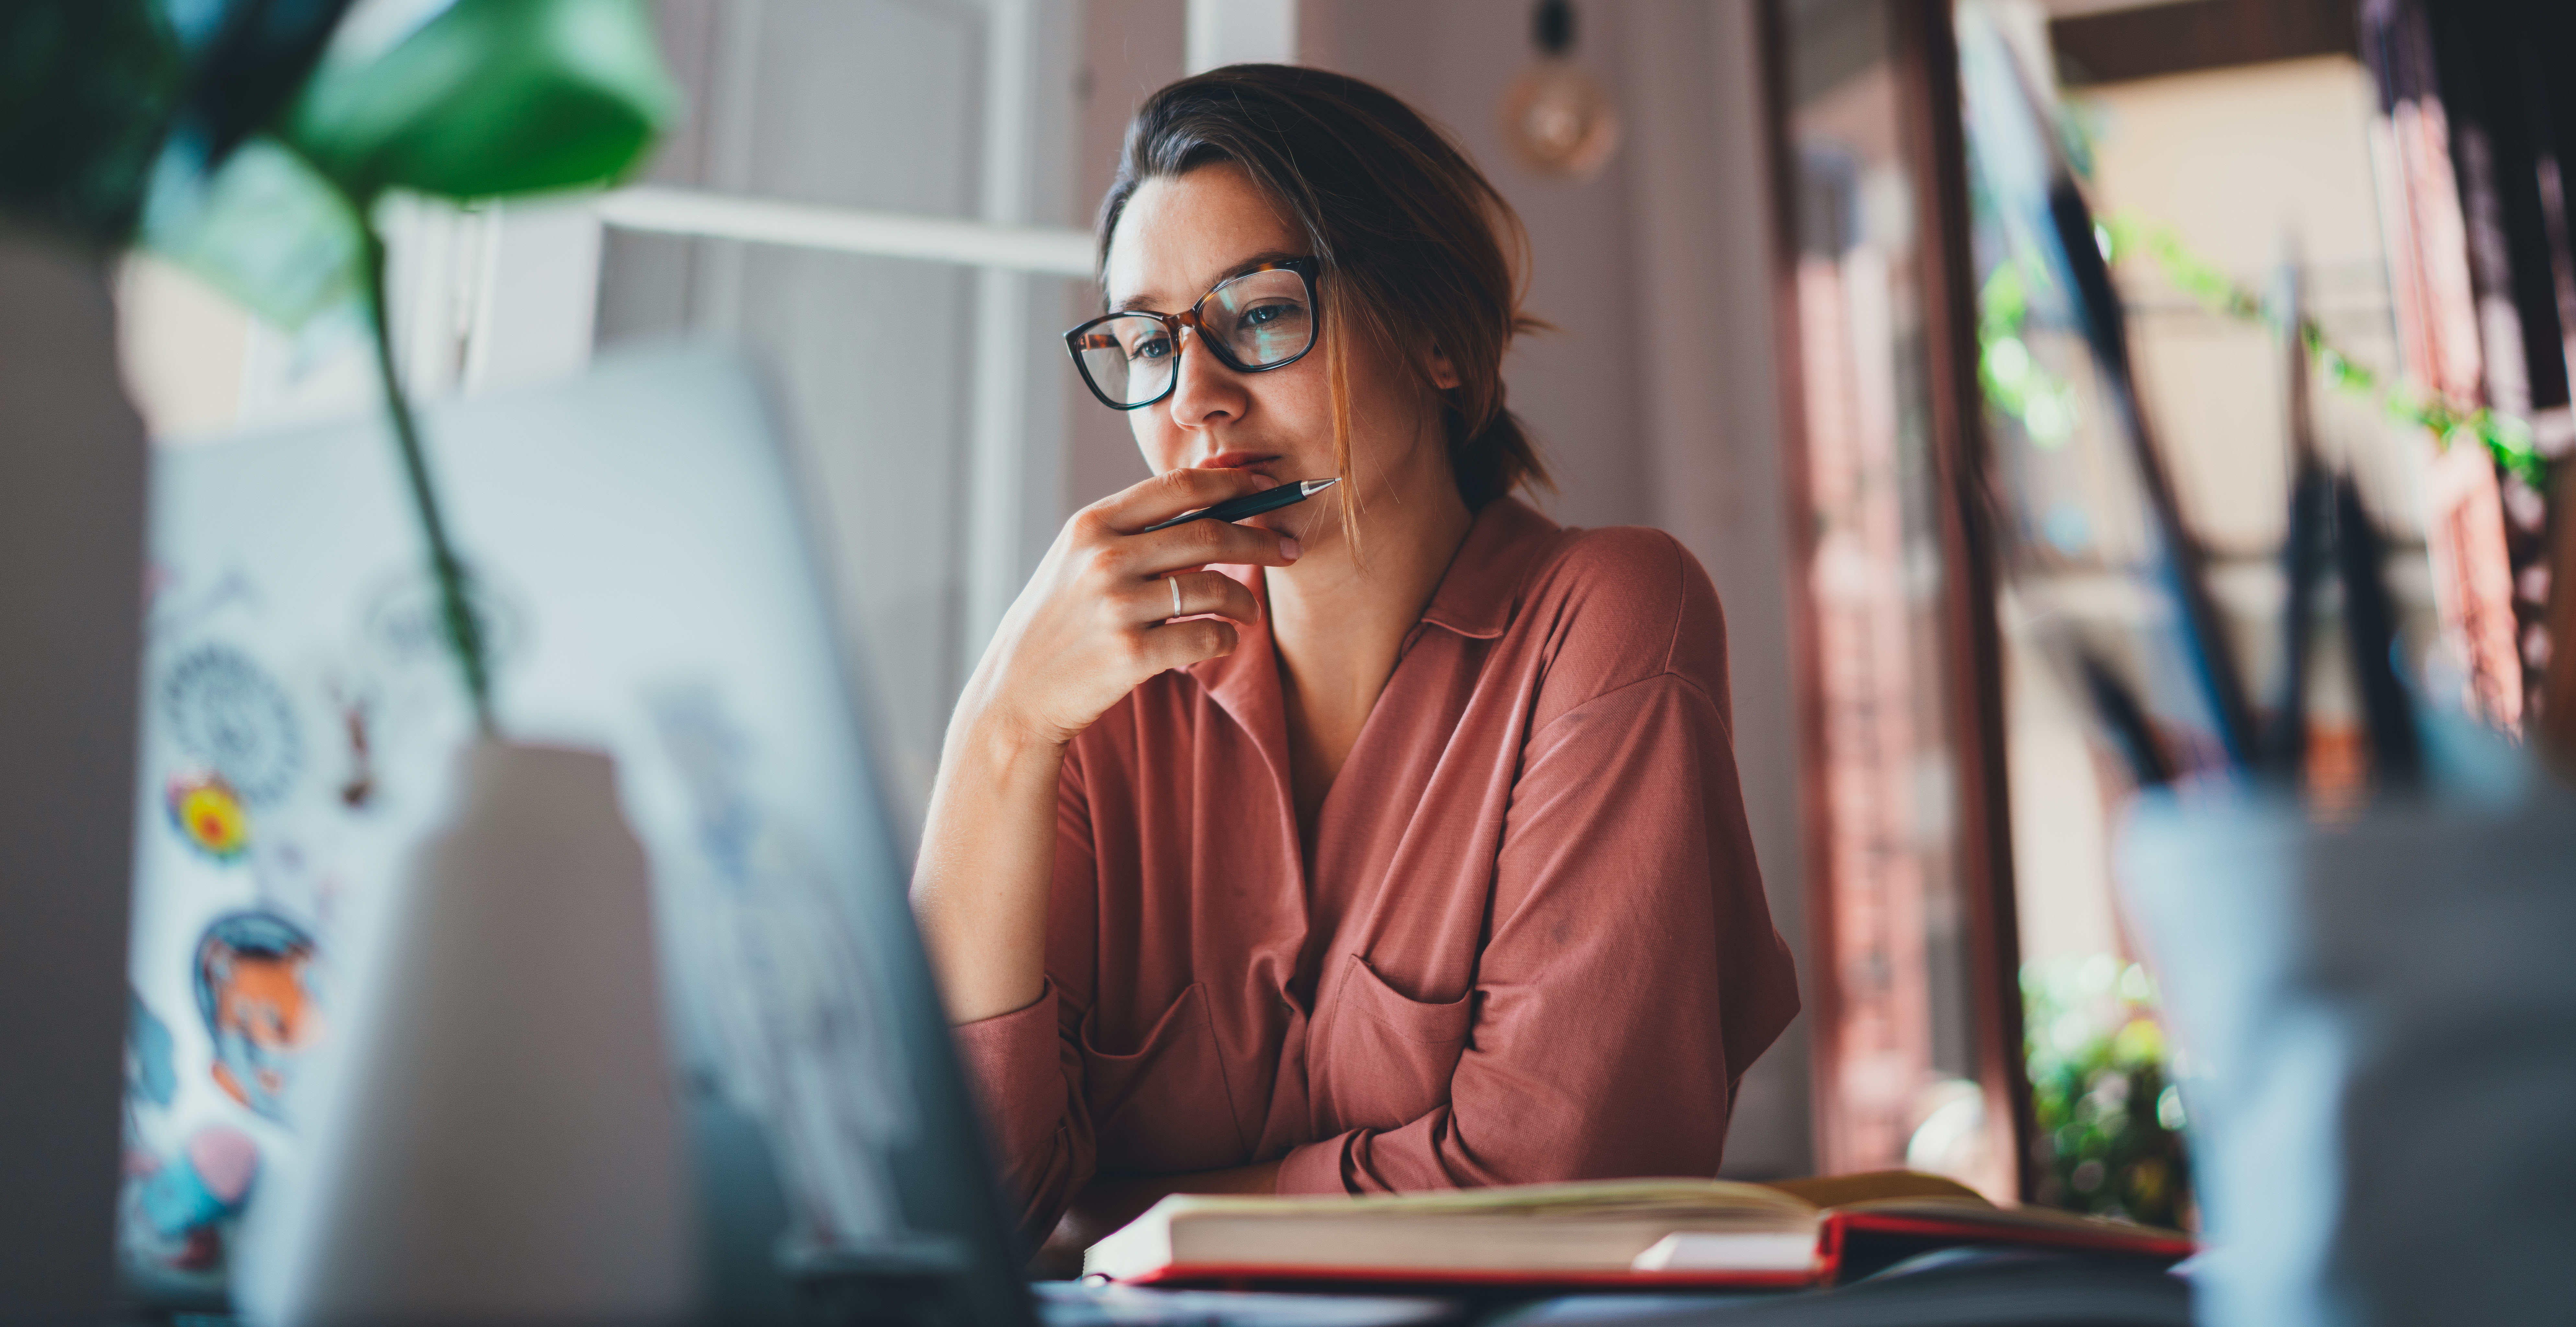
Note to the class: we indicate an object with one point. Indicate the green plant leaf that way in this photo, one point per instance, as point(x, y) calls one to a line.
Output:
point(86, 88)
point(481, 99)
point(490, 98)
point(267, 231)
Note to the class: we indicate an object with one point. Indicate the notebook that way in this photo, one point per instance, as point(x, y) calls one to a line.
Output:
point(1643, 1232)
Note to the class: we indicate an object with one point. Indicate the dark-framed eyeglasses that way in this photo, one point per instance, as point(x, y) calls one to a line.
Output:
point(1253, 322)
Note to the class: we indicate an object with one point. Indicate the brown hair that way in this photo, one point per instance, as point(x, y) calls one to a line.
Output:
point(1417, 249)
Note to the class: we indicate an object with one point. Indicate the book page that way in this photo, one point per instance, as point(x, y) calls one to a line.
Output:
point(1876, 1186)
point(1639, 1198)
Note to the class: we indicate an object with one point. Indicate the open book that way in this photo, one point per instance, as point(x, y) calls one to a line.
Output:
point(1616, 1232)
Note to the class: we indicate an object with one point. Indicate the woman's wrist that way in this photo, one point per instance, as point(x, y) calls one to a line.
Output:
point(994, 740)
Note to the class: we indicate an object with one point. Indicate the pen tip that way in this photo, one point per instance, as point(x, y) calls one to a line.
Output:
point(1315, 486)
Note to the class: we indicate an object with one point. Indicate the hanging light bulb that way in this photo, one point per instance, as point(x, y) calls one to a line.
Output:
point(1556, 119)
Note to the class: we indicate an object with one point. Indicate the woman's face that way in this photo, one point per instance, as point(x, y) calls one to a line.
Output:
point(1180, 236)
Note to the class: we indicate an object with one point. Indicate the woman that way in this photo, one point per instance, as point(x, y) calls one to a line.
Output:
point(1387, 841)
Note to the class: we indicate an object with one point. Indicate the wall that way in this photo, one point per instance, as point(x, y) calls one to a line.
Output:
point(1130, 48)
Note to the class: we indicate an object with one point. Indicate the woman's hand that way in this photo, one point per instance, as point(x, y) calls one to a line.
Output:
point(1093, 622)
point(1095, 619)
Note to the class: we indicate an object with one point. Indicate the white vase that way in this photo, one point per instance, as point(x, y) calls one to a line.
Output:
point(498, 1140)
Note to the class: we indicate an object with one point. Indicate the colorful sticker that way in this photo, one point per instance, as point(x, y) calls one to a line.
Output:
point(210, 815)
point(258, 990)
point(229, 713)
point(177, 1207)
point(209, 1180)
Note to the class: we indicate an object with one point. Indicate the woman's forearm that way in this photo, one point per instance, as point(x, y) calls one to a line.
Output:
point(1096, 619)
point(987, 851)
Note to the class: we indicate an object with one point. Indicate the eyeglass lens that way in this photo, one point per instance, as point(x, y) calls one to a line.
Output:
point(1259, 320)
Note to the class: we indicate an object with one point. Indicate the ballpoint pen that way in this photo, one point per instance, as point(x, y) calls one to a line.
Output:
point(1252, 504)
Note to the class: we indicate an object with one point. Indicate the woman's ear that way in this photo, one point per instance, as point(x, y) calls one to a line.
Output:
point(1444, 375)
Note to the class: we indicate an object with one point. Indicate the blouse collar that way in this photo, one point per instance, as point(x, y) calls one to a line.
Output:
point(1476, 598)
point(1481, 590)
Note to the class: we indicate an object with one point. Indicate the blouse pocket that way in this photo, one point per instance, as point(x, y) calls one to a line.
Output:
point(1391, 1056)
point(1162, 1107)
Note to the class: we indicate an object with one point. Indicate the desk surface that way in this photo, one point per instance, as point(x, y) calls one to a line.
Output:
point(1957, 1288)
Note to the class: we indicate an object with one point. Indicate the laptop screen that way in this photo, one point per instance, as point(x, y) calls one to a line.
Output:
point(637, 561)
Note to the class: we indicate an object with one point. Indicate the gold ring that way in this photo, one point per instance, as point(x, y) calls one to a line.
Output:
point(1175, 583)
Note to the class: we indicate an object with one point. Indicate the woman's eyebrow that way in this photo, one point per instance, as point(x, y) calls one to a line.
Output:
point(1135, 302)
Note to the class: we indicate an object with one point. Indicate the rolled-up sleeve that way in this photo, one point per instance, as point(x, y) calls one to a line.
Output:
point(1631, 973)
point(1017, 1066)
point(1026, 1067)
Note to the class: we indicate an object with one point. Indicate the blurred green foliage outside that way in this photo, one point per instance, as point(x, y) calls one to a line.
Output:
point(2110, 1117)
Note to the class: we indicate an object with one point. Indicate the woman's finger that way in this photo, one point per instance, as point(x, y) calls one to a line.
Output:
point(1190, 593)
point(1184, 643)
point(1205, 544)
point(1176, 491)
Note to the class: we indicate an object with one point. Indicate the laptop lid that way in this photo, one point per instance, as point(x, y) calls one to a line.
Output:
point(639, 562)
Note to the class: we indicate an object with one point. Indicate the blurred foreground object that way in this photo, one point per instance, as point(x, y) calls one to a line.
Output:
point(466, 100)
point(88, 92)
point(505, 1144)
point(668, 614)
point(71, 601)
point(2376, 1015)
point(105, 102)
point(487, 99)
point(85, 89)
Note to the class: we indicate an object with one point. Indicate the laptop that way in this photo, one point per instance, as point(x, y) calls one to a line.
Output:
point(634, 538)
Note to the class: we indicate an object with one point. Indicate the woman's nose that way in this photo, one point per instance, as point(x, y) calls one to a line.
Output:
point(1208, 392)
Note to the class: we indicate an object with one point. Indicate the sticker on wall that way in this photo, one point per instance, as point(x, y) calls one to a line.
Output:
point(209, 815)
point(226, 711)
point(258, 989)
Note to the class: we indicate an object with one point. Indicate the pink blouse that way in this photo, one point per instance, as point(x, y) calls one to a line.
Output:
point(1532, 944)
